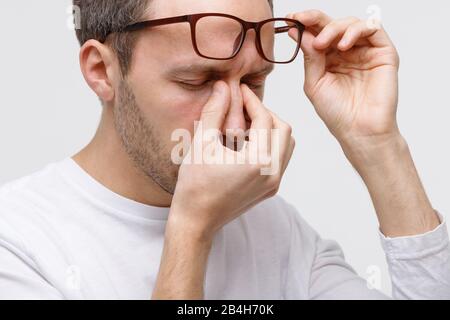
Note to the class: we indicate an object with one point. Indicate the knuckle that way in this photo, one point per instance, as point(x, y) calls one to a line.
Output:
point(271, 194)
point(213, 108)
point(206, 111)
point(274, 181)
point(351, 20)
point(255, 169)
point(396, 56)
point(296, 15)
point(288, 129)
point(315, 14)
point(390, 52)
point(354, 27)
point(274, 189)
point(211, 114)
point(330, 26)
point(266, 118)
point(293, 142)
point(308, 89)
point(335, 23)
point(339, 23)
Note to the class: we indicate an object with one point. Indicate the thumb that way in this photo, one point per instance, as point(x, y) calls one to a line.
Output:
point(315, 61)
point(215, 110)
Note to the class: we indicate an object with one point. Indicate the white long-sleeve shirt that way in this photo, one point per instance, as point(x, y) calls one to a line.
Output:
point(65, 236)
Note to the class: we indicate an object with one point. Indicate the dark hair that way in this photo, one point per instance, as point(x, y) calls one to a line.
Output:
point(99, 18)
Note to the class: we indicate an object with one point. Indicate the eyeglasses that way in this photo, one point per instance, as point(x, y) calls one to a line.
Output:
point(221, 36)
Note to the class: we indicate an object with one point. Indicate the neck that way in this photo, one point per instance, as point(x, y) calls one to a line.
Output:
point(106, 160)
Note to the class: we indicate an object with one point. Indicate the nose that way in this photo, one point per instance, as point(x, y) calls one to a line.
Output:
point(235, 124)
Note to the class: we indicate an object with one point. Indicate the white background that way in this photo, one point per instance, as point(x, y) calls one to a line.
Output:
point(48, 113)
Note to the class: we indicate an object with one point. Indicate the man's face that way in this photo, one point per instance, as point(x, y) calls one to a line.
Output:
point(168, 83)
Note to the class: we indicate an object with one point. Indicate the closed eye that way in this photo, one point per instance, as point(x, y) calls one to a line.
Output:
point(255, 84)
point(195, 85)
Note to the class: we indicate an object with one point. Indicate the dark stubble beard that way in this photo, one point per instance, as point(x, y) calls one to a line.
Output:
point(142, 142)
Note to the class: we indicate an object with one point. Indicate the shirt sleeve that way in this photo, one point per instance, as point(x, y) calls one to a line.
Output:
point(332, 278)
point(19, 277)
point(419, 265)
point(317, 269)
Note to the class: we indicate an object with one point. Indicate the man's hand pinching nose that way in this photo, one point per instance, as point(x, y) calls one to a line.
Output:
point(225, 184)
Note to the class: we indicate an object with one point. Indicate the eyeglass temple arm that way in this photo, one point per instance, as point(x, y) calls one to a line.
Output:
point(283, 29)
point(154, 23)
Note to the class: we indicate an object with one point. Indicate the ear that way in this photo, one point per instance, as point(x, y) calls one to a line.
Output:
point(100, 69)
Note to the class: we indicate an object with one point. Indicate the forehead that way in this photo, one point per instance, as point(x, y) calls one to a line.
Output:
point(251, 10)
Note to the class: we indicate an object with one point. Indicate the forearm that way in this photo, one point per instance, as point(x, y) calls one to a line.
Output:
point(183, 264)
point(399, 198)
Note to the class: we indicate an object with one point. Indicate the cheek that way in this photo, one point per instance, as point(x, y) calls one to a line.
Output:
point(184, 107)
point(168, 107)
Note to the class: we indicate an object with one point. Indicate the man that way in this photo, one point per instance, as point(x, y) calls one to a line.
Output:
point(122, 220)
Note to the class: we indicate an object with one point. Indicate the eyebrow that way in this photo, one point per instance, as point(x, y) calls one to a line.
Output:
point(212, 70)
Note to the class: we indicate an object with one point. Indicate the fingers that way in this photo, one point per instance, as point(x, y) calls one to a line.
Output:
point(363, 30)
point(314, 61)
point(313, 20)
point(349, 32)
point(323, 34)
point(211, 121)
point(261, 121)
point(328, 31)
point(286, 141)
point(259, 115)
point(215, 110)
point(332, 31)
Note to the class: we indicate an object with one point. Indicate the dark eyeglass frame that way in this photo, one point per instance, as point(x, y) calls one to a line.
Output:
point(246, 26)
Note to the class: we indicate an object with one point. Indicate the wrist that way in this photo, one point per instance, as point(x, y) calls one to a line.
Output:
point(372, 153)
point(387, 168)
point(181, 225)
point(183, 264)
point(187, 243)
